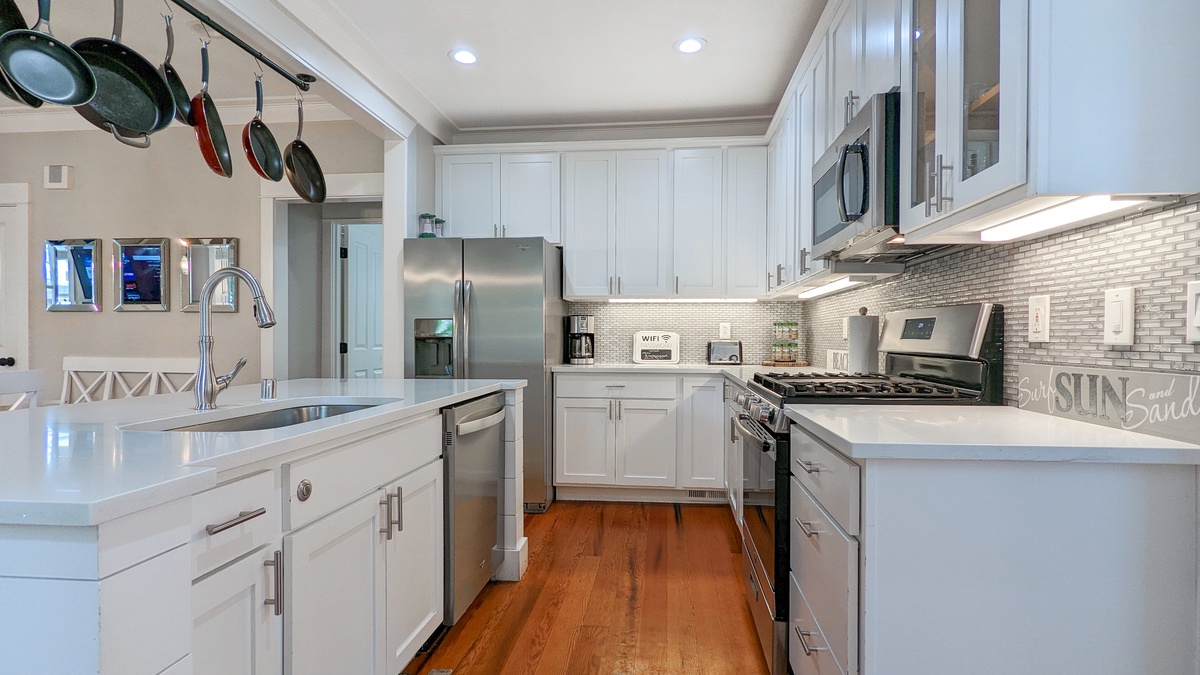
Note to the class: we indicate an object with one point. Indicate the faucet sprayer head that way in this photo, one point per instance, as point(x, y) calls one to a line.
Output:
point(262, 313)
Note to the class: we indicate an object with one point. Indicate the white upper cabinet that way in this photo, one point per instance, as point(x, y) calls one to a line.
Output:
point(844, 49)
point(699, 252)
point(643, 261)
point(807, 118)
point(745, 223)
point(879, 21)
point(862, 60)
point(495, 195)
point(589, 205)
point(782, 221)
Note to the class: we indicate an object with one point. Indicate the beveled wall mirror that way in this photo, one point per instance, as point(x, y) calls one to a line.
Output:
point(198, 260)
point(72, 275)
point(141, 268)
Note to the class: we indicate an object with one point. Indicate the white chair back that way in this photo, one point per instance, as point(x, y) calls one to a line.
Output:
point(88, 378)
point(25, 384)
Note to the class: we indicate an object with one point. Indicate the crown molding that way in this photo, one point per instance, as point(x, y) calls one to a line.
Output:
point(234, 112)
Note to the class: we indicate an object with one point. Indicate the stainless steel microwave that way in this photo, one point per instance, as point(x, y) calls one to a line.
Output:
point(856, 184)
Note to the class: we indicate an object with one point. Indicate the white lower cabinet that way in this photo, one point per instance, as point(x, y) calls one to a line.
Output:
point(414, 563)
point(584, 441)
point(702, 437)
point(233, 629)
point(334, 569)
point(645, 444)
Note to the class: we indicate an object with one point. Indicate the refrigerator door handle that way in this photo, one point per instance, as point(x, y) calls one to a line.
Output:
point(457, 330)
point(468, 287)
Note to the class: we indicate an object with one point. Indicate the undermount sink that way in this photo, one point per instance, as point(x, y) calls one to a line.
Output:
point(274, 419)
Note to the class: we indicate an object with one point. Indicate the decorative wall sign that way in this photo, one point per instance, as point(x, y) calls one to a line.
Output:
point(1160, 404)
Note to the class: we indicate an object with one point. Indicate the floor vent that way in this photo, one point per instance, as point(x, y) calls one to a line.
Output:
point(705, 494)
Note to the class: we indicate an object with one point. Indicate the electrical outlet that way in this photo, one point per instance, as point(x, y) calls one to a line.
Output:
point(1118, 316)
point(724, 330)
point(1039, 318)
point(845, 328)
point(1193, 311)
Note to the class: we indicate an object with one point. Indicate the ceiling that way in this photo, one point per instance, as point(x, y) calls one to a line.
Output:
point(542, 63)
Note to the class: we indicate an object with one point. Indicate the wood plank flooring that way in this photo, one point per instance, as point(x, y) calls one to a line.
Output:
point(618, 589)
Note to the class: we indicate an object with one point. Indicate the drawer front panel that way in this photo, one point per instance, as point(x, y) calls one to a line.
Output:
point(341, 475)
point(230, 508)
point(825, 564)
point(831, 478)
point(616, 386)
point(803, 630)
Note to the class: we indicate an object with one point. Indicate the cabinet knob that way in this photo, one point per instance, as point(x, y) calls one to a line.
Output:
point(304, 490)
point(8, 361)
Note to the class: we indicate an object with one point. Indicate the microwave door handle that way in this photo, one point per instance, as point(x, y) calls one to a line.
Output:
point(840, 183)
point(864, 204)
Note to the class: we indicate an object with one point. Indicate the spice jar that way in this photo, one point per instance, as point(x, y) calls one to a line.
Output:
point(426, 226)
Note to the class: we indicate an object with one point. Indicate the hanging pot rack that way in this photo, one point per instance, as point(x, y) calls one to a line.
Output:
point(301, 80)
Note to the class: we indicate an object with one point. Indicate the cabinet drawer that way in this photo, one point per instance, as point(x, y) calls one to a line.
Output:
point(341, 475)
point(616, 386)
point(825, 565)
point(229, 511)
point(803, 630)
point(831, 478)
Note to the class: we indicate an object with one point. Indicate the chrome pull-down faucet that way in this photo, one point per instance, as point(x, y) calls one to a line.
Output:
point(208, 383)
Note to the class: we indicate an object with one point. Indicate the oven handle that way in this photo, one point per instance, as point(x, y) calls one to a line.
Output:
point(746, 431)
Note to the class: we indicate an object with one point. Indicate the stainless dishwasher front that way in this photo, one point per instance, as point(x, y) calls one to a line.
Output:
point(474, 464)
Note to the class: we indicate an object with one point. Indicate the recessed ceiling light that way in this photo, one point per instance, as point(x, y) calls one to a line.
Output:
point(690, 45)
point(463, 56)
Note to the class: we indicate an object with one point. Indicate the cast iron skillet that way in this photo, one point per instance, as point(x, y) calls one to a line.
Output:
point(259, 144)
point(183, 102)
point(12, 19)
point(303, 171)
point(209, 132)
point(44, 66)
point(132, 100)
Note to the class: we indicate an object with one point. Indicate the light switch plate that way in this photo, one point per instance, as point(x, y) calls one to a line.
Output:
point(1118, 316)
point(1039, 318)
point(1193, 311)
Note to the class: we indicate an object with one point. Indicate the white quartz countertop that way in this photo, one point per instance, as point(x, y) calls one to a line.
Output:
point(980, 433)
point(86, 463)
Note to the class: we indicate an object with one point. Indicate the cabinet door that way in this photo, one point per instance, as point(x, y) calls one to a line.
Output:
point(699, 254)
point(880, 25)
point(922, 62)
point(702, 437)
point(844, 60)
point(334, 571)
point(415, 564)
point(783, 234)
point(643, 242)
point(589, 204)
point(233, 631)
point(646, 436)
point(584, 450)
point(774, 209)
point(529, 196)
point(807, 115)
point(469, 195)
point(745, 222)
point(821, 96)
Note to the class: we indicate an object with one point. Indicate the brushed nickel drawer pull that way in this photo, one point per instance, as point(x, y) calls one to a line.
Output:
point(808, 649)
point(386, 503)
point(277, 601)
point(809, 467)
point(399, 521)
point(804, 528)
point(241, 518)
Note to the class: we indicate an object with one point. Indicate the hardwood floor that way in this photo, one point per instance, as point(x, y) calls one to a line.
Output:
point(628, 589)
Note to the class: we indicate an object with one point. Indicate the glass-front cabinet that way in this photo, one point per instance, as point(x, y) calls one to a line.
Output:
point(964, 107)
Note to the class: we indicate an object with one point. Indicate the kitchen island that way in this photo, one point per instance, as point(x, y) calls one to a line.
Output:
point(988, 539)
point(126, 548)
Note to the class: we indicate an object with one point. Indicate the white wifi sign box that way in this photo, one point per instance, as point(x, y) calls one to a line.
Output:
point(655, 346)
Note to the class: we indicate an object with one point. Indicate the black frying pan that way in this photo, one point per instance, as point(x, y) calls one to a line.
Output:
point(183, 101)
point(12, 19)
point(259, 144)
point(303, 171)
point(132, 100)
point(44, 66)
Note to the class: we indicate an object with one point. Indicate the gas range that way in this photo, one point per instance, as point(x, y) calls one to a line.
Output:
point(933, 356)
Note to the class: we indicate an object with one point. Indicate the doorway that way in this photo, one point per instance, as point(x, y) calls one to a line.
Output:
point(360, 317)
point(14, 275)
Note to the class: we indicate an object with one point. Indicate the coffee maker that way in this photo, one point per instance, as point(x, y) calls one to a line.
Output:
point(581, 339)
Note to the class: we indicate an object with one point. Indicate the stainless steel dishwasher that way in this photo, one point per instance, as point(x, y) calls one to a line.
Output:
point(474, 465)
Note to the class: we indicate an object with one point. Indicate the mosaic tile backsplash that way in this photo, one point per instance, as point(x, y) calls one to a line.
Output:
point(1156, 253)
point(696, 324)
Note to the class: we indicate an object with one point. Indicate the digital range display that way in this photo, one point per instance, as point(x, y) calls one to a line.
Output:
point(917, 329)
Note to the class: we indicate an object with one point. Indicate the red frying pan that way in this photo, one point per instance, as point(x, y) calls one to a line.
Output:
point(209, 132)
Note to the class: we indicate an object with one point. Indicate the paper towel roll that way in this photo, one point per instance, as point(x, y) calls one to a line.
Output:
point(864, 344)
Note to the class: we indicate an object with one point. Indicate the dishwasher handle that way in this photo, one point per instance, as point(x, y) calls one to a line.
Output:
point(464, 428)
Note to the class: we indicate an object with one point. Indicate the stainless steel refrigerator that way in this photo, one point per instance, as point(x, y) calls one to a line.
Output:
point(490, 308)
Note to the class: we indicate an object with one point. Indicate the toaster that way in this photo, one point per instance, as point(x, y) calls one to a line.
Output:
point(725, 351)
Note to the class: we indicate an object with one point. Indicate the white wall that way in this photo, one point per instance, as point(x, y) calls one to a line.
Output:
point(421, 178)
point(164, 191)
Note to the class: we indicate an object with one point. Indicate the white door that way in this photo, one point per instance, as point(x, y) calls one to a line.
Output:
point(469, 195)
point(415, 570)
point(584, 450)
point(589, 221)
point(644, 223)
point(701, 458)
point(646, 436)
point(529, 196)
point(233, 630)
point(362, 302)
point(14, 275)
point(699, 259)
point(746, 222)
point(334, 568)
